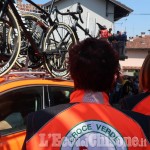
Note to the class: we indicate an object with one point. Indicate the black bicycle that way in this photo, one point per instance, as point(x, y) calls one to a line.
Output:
point(53, 57)
point(76, 16)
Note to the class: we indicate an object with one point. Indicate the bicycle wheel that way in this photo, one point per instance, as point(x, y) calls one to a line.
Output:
point(7, 58)
point(32, 23)
point(57, 42)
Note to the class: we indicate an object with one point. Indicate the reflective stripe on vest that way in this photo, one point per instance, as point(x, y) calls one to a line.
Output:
point(143, 106)
point(92, 97)
point(85, 122)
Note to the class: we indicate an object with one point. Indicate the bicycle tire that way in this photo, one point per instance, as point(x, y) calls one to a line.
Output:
point(53, 38)
point(11, 21)
point(22, 58)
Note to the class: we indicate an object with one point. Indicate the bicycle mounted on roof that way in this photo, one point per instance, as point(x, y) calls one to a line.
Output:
point(50, 51)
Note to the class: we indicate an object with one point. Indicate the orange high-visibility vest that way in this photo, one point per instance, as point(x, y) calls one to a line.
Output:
point(84, 126)
point(143, 106)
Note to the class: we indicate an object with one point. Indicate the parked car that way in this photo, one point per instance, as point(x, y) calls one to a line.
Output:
point(20, 95)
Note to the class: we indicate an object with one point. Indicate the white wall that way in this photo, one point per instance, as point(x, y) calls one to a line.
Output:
point(96, 9)
point(135, 58)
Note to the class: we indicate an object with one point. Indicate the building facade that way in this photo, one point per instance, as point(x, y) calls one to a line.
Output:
point(137, 49)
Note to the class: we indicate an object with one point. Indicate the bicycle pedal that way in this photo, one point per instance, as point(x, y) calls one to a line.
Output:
point(35, 65)
point(32, 66)
point(51, 52)
point(23, 53)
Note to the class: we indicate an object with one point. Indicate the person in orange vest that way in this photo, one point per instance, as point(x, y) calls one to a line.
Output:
point(88, 121)
point(141, 102)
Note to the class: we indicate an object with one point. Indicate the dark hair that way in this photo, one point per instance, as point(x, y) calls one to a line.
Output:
point(93, 64)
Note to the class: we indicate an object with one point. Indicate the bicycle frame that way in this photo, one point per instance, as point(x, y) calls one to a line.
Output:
point(74, 28)
point(76, 24)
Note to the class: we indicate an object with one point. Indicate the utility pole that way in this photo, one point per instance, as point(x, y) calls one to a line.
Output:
point(125, 24)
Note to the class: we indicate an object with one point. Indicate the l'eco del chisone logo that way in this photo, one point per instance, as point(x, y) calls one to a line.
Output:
point(93, 135)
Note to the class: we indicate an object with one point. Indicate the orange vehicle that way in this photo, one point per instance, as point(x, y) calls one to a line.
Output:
point(22, 94)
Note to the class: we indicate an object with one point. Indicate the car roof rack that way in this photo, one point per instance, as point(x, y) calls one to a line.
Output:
point(29, 74)
point(33, 74)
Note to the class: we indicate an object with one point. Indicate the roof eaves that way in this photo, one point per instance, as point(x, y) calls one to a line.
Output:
point(49, 3)
point(121, 5)
point(113, 1)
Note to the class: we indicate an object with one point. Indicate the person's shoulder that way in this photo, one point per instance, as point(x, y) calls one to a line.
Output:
point(141, 119)
point(36, 120)
point(129, 102)
point(50, 112)
point(134, 99)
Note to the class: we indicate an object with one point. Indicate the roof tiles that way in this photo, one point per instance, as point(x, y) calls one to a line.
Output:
point(140, 42)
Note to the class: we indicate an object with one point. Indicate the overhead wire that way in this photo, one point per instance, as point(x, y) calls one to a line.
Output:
point(142, 14)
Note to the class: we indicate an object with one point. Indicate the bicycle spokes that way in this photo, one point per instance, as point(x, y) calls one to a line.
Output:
point(58, 41)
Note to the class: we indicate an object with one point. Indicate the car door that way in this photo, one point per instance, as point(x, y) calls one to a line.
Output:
point(15, 104)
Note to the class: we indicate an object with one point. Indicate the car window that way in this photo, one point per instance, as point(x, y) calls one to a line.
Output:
point(58, 95)
point(16, 104)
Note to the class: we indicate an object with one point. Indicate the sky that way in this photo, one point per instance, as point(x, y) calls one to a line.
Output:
point(138, 21)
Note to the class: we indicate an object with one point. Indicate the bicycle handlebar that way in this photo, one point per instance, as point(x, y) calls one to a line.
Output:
point(73, 14)
point(80, 10)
